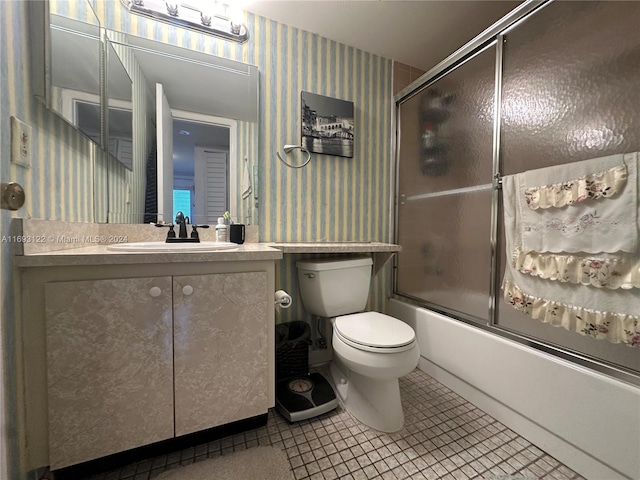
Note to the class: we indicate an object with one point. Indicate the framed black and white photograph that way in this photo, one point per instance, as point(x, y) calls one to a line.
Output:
point(327, 125)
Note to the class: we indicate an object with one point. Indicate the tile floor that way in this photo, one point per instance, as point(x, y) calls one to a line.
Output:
point(444, 437)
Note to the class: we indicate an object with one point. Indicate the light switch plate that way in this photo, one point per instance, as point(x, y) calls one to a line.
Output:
point(21, 143)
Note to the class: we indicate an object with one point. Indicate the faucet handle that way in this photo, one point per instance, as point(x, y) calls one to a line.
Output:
point(194, 230)
point(171, 233)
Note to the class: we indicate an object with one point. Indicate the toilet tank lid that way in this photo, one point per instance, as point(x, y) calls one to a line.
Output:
point(334, 263)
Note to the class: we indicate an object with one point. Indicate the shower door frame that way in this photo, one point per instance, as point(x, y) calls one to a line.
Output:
point(494, 35)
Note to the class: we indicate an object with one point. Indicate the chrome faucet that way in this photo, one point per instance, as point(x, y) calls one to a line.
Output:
point(182, 221)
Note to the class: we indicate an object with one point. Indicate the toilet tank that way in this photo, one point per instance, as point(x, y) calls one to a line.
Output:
point(334, 286)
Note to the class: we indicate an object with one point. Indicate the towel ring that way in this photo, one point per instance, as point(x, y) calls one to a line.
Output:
point(288, 149)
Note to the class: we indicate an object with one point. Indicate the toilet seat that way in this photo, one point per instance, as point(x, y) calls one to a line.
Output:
point(374, 332)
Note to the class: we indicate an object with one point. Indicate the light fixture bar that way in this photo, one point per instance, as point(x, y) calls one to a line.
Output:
point(186, 15)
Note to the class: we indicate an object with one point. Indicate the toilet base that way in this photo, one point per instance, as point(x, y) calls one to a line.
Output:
point(374, 402)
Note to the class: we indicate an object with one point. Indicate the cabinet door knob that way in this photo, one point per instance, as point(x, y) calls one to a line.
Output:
point(187, 290)
point(155, 291)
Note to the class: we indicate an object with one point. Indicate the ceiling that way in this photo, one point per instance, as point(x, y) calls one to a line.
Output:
point(416, 33)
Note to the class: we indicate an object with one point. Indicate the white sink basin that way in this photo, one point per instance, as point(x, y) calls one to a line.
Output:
point(171, 247)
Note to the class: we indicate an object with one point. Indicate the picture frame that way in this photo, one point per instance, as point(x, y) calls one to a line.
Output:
point(327, 125)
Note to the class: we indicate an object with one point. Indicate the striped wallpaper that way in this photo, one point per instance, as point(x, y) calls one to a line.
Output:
point(332, 198)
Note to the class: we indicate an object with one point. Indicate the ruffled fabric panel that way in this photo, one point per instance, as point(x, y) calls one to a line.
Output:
point(598, 271)
point(593, 186)
point(608, 225)
point(614, 327)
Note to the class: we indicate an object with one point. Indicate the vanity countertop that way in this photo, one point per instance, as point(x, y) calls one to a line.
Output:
point(61, 243)
point(335, 247)
point(55, 243)
point(100, 255)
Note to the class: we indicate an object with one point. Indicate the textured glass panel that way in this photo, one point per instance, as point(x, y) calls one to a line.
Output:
point(446, 251)
point(446, 130)
point(570, 85)
point(570, 93)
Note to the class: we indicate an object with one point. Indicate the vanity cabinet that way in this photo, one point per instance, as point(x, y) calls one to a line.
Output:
point(126, 356)
point(109, 366)
point(220, 349)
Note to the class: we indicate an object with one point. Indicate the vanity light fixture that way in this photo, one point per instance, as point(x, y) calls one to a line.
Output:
point(212, 17)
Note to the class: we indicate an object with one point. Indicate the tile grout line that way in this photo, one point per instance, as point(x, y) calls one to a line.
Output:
point(444, 437)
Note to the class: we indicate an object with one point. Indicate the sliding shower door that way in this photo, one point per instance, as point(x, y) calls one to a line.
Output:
point(563, 78)
point(570, 76)
point(444, 183)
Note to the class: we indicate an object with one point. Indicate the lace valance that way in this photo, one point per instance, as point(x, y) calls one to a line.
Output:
point(593, 186)
point(598, 271)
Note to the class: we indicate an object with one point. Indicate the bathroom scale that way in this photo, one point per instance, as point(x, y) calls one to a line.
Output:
point(304, 396)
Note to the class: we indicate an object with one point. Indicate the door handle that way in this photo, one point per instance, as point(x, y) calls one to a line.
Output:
point(12, 196)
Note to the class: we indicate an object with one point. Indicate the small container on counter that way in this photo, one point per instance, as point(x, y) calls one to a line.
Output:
point(221, 230)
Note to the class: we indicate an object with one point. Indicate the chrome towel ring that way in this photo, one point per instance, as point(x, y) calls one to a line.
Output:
point(288, 149)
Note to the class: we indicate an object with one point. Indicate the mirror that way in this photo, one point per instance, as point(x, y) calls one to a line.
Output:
point(119, 109)
point(67, 74)
point(208, 101)
point(66, 70)
point(203, 92)
point(84, 110)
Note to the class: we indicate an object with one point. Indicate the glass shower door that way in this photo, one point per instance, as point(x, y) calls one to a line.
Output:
point(445, 153)
point(569, 76)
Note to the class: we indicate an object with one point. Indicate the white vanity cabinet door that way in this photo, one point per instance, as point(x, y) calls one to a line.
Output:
point(109, 366)
point(220, 348)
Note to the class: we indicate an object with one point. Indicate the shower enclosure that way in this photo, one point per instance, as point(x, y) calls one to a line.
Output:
point(552, 83)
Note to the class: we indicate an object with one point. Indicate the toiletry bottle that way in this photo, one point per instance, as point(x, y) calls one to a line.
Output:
point(221, 230)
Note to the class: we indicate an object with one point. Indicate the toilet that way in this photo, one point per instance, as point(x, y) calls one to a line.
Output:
point(370, 350)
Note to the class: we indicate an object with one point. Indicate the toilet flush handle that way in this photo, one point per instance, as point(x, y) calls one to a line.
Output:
point(310, 275)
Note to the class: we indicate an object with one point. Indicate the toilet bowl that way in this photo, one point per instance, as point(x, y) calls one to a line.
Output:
point(370, 350)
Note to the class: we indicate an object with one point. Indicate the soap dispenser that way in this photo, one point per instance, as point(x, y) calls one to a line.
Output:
point(221, 230)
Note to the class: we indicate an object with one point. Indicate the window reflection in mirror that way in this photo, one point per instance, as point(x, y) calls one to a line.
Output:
point(87, 117)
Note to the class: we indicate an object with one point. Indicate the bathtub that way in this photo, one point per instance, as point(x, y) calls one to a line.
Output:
point(587, 420)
